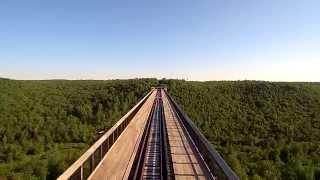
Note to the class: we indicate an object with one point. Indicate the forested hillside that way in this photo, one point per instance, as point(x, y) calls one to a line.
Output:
point(263, 130)
point(46, 125)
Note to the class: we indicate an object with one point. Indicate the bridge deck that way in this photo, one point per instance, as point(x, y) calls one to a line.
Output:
point(185, 158)
point(117, 162)
point(157, 142)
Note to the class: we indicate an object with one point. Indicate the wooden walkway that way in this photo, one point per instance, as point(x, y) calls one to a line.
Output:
point(184, 160)
point(118, 161)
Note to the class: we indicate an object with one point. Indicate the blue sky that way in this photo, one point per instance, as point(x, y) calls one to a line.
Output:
point(276, 40)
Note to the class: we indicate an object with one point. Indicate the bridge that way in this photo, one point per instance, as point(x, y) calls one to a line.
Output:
point(154, 140)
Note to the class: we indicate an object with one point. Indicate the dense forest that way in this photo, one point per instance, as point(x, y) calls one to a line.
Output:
point(263, 130)
point(46, 125)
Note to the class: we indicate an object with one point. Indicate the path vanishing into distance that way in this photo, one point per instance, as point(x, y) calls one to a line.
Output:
point(154, 140)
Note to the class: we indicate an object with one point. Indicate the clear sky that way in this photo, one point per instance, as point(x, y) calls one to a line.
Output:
point(277, 40)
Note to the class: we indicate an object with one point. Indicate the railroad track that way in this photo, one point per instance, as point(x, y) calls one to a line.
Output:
point(152, 159)
point(167, 151)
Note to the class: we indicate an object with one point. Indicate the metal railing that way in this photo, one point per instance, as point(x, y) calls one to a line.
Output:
point(87, 163)
point(214, 161)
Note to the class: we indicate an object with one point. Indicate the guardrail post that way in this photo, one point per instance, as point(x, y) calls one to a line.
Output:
point(81, 172)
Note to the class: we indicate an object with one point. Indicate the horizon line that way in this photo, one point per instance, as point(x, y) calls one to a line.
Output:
point(133, 78)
